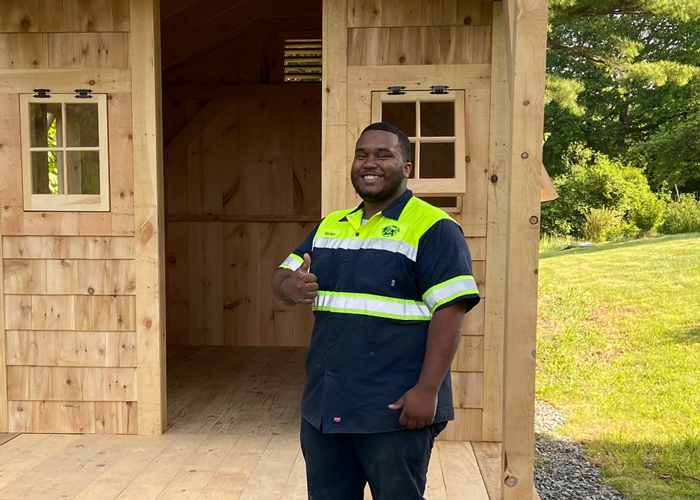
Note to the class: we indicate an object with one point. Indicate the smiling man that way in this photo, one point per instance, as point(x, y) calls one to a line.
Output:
point(389, 282)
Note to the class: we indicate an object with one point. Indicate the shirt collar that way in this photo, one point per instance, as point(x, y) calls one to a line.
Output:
point(393, 211)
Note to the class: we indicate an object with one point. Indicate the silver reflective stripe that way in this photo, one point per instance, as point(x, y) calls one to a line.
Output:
point(395, 246)
point(465, 284)
point(358, 304)
point(292, 262)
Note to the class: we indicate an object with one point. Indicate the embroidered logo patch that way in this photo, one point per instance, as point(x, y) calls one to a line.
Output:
point(390, 231)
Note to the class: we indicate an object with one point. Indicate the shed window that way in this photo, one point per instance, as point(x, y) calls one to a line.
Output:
point(434, 123)
point(65, 155)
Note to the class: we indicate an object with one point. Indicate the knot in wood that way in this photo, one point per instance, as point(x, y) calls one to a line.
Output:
point(467, 20)
point(91, 290)
point(467, 159)
point(494, 179)
point(525, 155)
point(148, 323)
point(26, 22)
point(534, 219)
point(511, 481)
point(172, 259)
point(526, 102)
point(91, 82)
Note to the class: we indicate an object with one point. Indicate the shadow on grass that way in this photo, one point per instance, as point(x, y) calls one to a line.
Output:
point(691, 336)
point(613, 246)
point(639, 470)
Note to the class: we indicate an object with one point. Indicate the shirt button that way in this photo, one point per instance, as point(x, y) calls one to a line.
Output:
point(328, 373)
point(357, 234)
point(329, 345)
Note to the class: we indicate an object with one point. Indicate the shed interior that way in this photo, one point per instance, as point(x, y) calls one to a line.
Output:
point(242, 165)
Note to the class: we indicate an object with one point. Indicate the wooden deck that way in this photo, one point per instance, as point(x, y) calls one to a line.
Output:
point(233, 434)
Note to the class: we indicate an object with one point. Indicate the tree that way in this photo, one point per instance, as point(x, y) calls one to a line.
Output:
point(624, 79)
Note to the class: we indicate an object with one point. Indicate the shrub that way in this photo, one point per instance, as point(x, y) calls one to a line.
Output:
point(682, 215)
point(595, 181)
point(601, 224)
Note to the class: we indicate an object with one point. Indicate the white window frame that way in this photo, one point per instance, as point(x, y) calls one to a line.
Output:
point(65, 202)
point(455, 186)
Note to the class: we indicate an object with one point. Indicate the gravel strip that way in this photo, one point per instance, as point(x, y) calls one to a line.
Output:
point(562, 471)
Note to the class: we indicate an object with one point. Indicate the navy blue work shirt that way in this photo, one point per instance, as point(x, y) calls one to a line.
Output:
point(379, 284)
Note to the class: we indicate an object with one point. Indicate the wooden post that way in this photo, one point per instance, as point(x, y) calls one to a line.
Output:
point(334, 168)
point(497, 221)
point(529, 37)
point(149, 247)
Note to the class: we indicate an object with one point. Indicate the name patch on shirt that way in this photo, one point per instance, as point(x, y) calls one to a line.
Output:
point(330, 233)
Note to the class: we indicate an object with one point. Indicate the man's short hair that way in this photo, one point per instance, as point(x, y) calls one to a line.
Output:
point(403, 139)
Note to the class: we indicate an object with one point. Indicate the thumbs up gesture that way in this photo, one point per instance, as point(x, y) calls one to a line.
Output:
point(303, 284)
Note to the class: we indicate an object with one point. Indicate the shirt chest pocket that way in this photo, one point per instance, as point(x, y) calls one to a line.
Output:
point(375, 272)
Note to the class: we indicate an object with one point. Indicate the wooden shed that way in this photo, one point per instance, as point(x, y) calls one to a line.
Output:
point(157, 162)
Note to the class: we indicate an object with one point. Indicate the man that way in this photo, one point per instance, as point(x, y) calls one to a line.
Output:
point(389, 282)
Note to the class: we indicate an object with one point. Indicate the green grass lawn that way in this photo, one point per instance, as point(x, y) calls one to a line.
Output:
point(619, 352)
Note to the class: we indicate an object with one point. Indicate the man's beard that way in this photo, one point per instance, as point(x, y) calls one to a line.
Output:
point(378, 197)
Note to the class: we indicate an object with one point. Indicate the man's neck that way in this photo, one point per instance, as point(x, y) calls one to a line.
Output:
point(370, 209)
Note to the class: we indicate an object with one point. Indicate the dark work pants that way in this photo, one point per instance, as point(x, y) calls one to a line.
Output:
point(394, 463)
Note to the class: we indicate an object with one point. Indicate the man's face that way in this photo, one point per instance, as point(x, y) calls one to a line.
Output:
point(379, 169)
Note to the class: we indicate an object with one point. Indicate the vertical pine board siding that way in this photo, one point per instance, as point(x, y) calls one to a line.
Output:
point(121, 171)
point(334, 113)
point(242, 264)
point(497, 213)
point(524, 166)
point(475, 205)
point(12, 204)
point(3, 352)
point(148, 215)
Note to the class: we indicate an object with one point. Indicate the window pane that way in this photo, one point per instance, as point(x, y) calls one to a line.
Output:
point(83, 172)
point(437, 161)
point(401, 115)
point(437, 119)
point(46, 125)
point(47, 172)
point(82, 125)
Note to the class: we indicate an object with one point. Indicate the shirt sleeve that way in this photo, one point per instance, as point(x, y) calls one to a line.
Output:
point(296, 258)
point(444, 267)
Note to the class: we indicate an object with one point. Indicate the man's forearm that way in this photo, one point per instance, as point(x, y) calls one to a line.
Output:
point(444, 333)
point(279, 278)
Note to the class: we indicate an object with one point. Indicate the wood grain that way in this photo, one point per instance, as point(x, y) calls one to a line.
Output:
point(148, 215)
point(524, 178)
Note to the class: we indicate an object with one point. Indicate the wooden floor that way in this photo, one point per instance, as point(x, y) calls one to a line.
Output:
point(233, 433)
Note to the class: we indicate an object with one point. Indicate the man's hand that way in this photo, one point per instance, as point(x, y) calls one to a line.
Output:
point(419, 405)
point(296, 287)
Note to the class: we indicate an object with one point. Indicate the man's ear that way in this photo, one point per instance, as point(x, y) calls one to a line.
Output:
point(407, 167)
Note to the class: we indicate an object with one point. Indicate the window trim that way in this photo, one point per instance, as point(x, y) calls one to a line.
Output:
point(65, 202)
point(455, 186)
